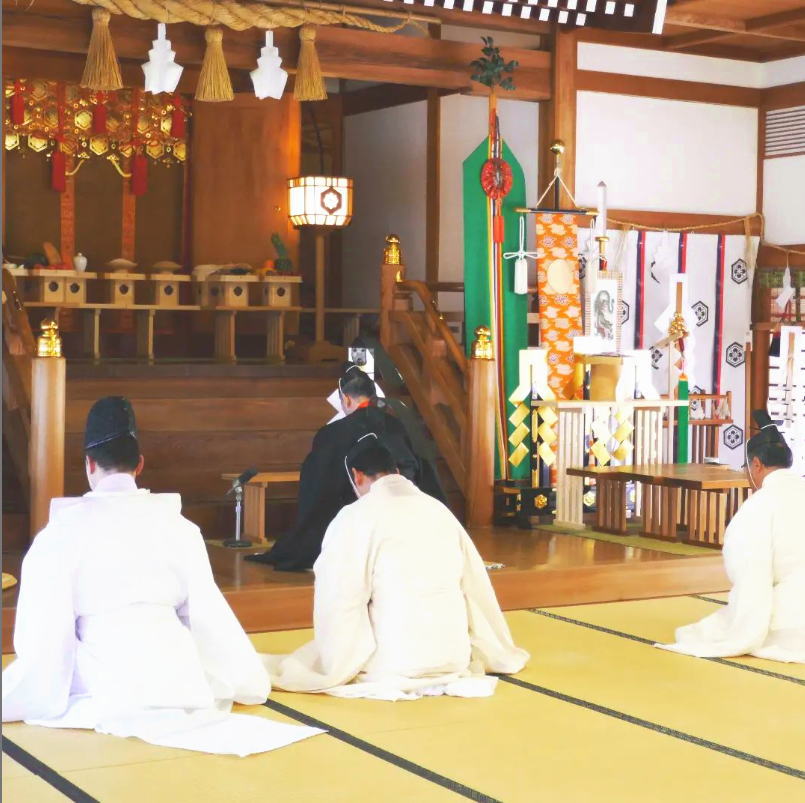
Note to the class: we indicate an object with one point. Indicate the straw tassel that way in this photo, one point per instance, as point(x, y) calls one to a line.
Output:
point(309, 82)
point(101, 71)
point(213, 81)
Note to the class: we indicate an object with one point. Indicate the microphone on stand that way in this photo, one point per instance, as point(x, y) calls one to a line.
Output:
point(242, 480)
point(237, 488)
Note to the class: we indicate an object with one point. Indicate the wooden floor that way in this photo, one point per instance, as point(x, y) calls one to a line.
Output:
point(540, 568)
point(598, 715)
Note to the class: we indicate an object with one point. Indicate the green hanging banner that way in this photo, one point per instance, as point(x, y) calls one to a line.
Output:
point(485, 270)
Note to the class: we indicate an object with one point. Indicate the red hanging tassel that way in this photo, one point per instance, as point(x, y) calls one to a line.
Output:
point(99, 114)
point(178, 119)
point(58, 170)
point(17, 105)
point(139, 174)
point(498, 229)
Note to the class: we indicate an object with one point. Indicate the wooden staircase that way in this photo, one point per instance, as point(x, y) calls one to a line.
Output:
point(197, 422)
point(455, 395)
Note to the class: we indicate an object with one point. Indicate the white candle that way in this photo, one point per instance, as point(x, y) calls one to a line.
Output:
point(601, 219)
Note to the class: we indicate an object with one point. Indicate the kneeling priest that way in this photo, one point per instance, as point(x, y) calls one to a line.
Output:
point(120, 627)
point(403, 603)
point(764, 555)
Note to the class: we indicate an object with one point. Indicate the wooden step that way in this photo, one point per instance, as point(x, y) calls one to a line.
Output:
point(199, 387)
point(216, 414)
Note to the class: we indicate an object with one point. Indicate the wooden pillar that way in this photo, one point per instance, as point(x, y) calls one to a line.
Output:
point(225, 336)
point(391, 271)
point(558, 115)
point(480, 438)
point(433, 176)
point(761, 331)
point(46, 453)
point(320, 280)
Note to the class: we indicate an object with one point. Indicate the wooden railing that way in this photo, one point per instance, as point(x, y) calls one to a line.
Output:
point(708, 413)
point(713, 411)
point(18, 352)
point(453, 394)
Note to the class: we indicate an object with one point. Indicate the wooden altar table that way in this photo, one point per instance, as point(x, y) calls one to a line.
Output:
point(690, 502)
point(254, 501)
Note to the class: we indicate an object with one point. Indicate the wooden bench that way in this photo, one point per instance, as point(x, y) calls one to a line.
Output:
point(254, 501)
point(694, 500)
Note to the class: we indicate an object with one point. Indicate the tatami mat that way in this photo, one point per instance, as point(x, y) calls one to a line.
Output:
point(596, 716)
point(656, 620)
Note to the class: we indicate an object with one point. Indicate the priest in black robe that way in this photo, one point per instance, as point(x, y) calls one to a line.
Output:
point(324, 486)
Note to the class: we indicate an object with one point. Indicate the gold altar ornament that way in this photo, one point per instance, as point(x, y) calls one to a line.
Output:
point(62, 113)
point(392, 254)
point(677, 329)
point(541, 501)
point(48, 344)
point(482, 345)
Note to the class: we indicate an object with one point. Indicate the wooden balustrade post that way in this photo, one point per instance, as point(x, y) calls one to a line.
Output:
point(46, 453)
point(480, 436)
point(391, 271)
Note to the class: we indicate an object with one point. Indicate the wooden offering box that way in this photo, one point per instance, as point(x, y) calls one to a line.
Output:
point(118, 288)
point(224, 291)
point(56, 286)
point(275, 289)
point(162, 289)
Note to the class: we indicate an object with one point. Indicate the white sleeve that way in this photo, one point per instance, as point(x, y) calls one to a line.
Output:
point(344, 638)
point(230, 661)
point(490, 636)
point(37, 684)
point(742, 626)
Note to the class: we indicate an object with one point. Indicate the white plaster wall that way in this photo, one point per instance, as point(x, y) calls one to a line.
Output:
point(457, 33)
point(666, 155)
point(784, 199)
point(784, 71)
point(688, 67)
point(463, 126)
point(385, 153)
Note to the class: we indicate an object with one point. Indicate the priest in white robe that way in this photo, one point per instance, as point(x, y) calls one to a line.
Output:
point(120, 627)
point(403, 603)
point(764, 555)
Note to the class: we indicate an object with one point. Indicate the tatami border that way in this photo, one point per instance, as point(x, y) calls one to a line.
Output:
point(384, 755)
point(46, 773)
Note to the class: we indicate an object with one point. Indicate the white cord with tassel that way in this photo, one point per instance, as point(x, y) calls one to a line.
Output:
point(521, 257)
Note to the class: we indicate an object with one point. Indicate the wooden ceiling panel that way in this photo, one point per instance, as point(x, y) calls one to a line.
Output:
point(763, 31)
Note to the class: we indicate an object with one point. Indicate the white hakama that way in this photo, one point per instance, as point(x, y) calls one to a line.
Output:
point(403, 606)
point(764, 555)
point(120, 628)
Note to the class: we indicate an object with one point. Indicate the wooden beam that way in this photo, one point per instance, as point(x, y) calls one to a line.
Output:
point(679, 220)
point(784, 97)
point(764, 23)
point(21, 62)
point(651, 42)
point(687, 40)
point(386, 96)
point(707, 22)
point(343, 53)
point(774, 259)
point(668, 88)
point(558, 117)
point(771, 26)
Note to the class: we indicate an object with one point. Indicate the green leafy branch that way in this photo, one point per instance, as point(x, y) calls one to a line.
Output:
point(492, 69)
